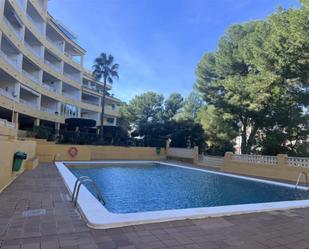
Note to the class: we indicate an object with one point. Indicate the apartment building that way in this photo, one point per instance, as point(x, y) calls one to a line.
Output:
point(42, 77)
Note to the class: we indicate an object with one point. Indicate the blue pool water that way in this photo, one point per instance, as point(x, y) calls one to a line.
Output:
point(129, 188)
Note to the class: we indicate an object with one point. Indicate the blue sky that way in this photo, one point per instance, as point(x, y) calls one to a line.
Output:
point(157, 43)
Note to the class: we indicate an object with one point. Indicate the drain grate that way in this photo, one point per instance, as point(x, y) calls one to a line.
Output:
point(34, 212)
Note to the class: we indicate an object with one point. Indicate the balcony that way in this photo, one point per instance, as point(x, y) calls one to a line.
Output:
point(56, 44)
point(72, 77)
point(6, 123)
point(31, 77)
point(33, 51)
point(52, 89)
point(8, 94)
point(18, 34)
point(53, 66)
point(91, 102)
point(70, 96)
point(29, 104)
point(12, 61)
point(48, 110)
point(38, 27)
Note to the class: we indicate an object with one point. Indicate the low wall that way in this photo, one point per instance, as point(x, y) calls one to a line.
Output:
point(183, 154)
point(50, 152)
point(7, 150)
point(275, 167)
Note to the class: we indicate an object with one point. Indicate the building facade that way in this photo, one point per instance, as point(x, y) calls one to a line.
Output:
point(42, 77)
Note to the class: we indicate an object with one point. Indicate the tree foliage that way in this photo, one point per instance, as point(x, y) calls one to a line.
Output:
point(258, 76)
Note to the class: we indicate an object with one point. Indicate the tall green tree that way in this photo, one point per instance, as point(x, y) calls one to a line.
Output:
point(258, 68)
point(147, 107)
point(104, 69)
point(173, 105)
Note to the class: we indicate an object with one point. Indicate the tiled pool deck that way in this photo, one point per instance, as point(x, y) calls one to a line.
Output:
point(61, 227)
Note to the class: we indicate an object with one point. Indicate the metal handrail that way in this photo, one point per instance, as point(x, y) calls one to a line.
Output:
point(298, 179)
point(80, 181)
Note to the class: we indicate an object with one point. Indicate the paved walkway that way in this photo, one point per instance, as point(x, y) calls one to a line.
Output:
point(61, 226)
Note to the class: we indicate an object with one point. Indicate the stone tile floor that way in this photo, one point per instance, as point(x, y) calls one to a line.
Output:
point(61, 226)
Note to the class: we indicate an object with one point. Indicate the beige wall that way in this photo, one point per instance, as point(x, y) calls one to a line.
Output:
point(49, 152)
point(281, 170)
point(183, 154)
point(7, 150)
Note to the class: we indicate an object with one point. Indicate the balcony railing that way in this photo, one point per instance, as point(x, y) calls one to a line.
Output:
point(91, 102)
point(6, 123)
point(70, 96)
point(13, 29)
point(72, 77)
point(13, 62)
point(46, 109)
point(50, 88)
point(35, 52)
point(58, 44)
point(30, 104)
point(32, 77)
point(56, 68)
point(8, 94)
point(37, 26)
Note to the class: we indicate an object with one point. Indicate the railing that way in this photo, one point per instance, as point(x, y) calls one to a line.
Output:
point(17, 33)
point(37, 26)
point(298, 161)
point(32, 77)
point(6, 123)
point(36, 53)
point(27, 103)
point(258, 159)
point(71, 77)
point(52, 65)
point(90, 102)
point(69, 96)
point(46, 109)
point(58, 45)
point(7, 94)
point(53, 89)
point(11, 61)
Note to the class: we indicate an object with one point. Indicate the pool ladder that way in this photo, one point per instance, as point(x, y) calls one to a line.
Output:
point(298, 179)
point(80, 181)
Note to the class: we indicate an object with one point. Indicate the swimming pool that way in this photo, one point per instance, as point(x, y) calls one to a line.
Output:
point(142, 192)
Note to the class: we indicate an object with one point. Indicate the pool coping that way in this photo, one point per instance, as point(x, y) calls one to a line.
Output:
point(98, 217)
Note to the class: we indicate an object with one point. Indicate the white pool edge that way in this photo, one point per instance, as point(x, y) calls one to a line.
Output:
point(98, 217)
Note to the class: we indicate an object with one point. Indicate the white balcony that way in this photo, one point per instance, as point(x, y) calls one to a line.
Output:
point(90, 102)
point(33, 51)
point(32, 77)
point(52, 89)
point(12, 28)
point(6, 123)
point(29, 104)
point(69, 96)
point(72, 77)
point(38, 27)
point(48, 110)
point(12, 61)
point(52, 65)
point(8, 94)
point(57, 44)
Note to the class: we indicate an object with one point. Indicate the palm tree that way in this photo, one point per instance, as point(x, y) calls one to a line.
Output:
point(104, 69)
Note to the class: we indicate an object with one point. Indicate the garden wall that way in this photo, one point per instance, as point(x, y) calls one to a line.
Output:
point(276, 167)
point(7, 150)
point(49, 152)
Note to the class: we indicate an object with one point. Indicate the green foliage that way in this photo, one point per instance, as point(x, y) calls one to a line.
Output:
point(147, 107)
point(172, 105)
point(42, 132)
point(259, 71)
point(104, 69)
point(191, 106)
point(220, 129)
